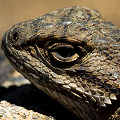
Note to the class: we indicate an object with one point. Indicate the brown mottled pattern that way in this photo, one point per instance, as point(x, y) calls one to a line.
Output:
point(73, 55)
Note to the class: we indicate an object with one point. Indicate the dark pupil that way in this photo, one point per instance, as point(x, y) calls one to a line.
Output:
point(65, 52)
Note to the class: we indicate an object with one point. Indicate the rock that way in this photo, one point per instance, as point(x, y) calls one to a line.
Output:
point(10, 111)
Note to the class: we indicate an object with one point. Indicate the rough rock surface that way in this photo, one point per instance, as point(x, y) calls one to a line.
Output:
point(11, 111)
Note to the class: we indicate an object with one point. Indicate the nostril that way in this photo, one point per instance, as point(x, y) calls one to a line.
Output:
point(15, 37)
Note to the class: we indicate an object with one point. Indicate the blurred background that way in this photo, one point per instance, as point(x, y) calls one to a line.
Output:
point(14, 11)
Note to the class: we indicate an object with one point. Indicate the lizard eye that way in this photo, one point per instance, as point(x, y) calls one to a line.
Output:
point(64, 53)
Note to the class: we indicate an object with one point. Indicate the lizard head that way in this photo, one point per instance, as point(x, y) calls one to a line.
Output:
point(71, 49)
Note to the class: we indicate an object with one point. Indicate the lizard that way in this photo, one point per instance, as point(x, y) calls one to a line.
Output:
point(73, 55)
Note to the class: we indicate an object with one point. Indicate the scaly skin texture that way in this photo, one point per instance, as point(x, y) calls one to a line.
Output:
point(73, 55)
